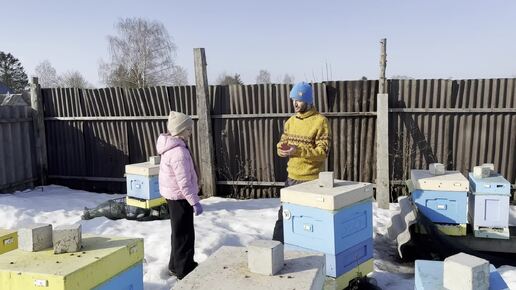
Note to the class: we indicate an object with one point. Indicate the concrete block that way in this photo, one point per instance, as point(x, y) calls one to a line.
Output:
point(35, 237)
point(326, 179)
point(67, 239)
point(265, 257)
point(490, 166)
point(436, 168)
point(465, 272)
point(226, 269)
point(481, 172)
point(429, 276)
point(154, 160)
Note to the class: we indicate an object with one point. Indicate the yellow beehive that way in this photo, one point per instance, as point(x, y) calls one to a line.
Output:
point(145, 203)
point(8, 240)
point(101, 258)
point(343, 280)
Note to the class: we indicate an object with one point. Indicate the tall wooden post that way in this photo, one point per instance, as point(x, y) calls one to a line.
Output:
point(39, 129)
point(205, 136)
point(382, 135)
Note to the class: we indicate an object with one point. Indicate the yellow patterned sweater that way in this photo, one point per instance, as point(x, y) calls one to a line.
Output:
point(310, 132)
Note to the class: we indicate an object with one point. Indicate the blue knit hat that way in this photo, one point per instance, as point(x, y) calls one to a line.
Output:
point(302, 92)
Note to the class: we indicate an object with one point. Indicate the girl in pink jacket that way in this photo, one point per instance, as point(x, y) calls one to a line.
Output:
point(178, 185)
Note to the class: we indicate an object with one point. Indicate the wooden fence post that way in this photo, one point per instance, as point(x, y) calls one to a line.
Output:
point(205, 136)
point(382, 135)
point(39, 129)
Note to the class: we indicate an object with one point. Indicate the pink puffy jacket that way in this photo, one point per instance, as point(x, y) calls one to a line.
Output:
point(177, 176)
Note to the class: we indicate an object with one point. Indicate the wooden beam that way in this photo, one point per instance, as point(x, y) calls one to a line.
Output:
point(5, 121)
point(454, 110)
point(113, 118)
point(39, 129)
point(205, 137)
point(90, 178)
point(251, 183)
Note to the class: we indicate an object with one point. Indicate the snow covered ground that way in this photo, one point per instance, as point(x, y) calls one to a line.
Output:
point(224, 222)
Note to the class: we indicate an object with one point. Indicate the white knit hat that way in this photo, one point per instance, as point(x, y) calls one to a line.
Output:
point(178, 122)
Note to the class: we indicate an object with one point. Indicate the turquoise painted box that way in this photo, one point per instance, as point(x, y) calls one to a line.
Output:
point(449, 207)
point(345, 261)
point(494, 184)
point(130, 279)
point(143, 187)
point(330, 232)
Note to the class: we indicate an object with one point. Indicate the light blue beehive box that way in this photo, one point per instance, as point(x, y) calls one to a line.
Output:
point(330, 232)
point(429, 276)
point(142, 180)
point(489, 201)
point(494, 184)
point(345, 261)
point(130, 279)
point(142, 187)
point(449, 207)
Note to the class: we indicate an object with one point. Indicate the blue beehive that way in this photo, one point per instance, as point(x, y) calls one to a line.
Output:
point(489, 201)
point(494, 184)
point(429, 276)
point(489, 210)
point(330, 232)
point(130, 279)
point(443, 206)
point(143, 187)
point(142, 179)
point(345, 261)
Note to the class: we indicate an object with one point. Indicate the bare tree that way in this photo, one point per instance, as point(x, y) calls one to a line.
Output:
point(142, 54)
point(401, 77)
point(225, 79)
point(179, 76)
point(264, 77)
point(74, 79)
point(47, 75)
point(288, 79)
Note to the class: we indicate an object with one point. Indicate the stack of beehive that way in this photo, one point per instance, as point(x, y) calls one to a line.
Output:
point(442, 196)
point(62, 259)
point(489, 203)
point(335, 218)
point(142, 184)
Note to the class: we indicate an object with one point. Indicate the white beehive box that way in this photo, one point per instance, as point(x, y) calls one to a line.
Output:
point(342, 194)
point(144, 168)
point(449, 181)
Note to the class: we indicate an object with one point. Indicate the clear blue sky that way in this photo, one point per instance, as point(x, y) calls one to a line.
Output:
point(425, 39)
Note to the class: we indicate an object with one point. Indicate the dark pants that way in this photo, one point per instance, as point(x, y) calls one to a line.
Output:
point(182, 238)
point(277, 234)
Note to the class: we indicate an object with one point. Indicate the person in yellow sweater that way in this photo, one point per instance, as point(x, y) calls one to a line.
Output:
point(305, 141)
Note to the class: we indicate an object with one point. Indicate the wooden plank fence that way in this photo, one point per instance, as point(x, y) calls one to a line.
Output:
point(93, 133)
point(17, 148)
